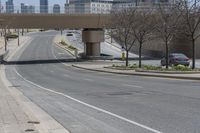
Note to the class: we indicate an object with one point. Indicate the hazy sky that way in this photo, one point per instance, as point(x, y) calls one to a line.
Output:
point(35, 2)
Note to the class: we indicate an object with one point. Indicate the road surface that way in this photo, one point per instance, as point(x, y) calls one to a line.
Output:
point(91, 102)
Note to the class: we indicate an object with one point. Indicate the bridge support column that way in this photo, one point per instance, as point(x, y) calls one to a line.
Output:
point(92, 39)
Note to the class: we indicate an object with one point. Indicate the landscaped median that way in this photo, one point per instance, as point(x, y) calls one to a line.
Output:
point(134, 70)
point(64, 45)
point(179, 69)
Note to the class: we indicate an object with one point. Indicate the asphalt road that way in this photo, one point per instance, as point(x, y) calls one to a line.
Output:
point(90, 102)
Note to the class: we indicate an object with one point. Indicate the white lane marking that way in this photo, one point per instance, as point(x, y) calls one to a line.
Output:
point(91, 106)
point(135, 86)
point(88, 79)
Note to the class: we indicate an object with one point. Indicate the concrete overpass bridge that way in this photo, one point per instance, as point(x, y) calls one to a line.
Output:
point(92, 25)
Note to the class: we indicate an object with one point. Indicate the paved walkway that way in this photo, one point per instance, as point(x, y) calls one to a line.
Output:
point(1, 45)
point(17, 113)
point(12, 117)
point(100, 67)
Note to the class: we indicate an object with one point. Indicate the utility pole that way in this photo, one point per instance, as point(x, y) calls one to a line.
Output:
point(1, 7)
point(18, 37)
point(5, 39)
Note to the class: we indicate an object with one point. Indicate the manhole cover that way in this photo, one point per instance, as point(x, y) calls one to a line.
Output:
point(29, 130)
point(119, 93)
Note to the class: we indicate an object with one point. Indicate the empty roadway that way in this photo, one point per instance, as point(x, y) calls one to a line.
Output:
point(91, 102)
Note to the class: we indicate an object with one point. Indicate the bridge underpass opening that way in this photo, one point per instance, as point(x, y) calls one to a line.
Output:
point(92, 25)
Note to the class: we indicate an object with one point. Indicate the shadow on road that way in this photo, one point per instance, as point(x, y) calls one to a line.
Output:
point(29, 62)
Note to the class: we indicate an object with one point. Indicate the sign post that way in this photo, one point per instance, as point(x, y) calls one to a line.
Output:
point(123, 54)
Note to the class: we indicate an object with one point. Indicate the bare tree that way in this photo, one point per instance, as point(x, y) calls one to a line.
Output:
point(167, 20)
point(4, 31)
point(122, 22)
point(191, 23)
point(142, 29)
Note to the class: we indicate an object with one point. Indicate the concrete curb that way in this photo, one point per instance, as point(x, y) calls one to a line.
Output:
point(47, 123)
point(155, 71)
point(169, 72)
point(140, 74)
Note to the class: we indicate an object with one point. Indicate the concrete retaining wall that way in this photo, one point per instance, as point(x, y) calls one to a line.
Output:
point(156, 48)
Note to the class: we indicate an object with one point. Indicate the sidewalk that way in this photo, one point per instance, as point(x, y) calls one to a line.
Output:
point(101, 68)
point(1, 48)
point(18, 114)
point(12, 117)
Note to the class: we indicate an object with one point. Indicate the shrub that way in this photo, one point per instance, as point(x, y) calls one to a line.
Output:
point(150, 67)
point(63, 42)
point(181, 68)
point(133, 66)
point(12, 36)
point(72, 48)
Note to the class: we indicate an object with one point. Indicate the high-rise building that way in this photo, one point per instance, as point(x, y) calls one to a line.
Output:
point(56, 8)
point(27, 8)
point(90, 6)
point(31, 9)
point(9, 6)
point(24, 8)
point(44, 6)
point(0, 7)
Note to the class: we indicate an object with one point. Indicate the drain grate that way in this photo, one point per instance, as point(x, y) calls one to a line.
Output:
point(15, 86)
point(29, 130)
point(33, 122)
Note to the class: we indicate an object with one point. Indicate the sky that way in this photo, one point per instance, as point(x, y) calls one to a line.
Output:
point(35, 2)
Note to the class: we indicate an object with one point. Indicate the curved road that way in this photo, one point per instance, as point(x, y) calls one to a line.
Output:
point(90, 102)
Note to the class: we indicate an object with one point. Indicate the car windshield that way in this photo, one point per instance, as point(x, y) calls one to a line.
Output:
point(179, 56)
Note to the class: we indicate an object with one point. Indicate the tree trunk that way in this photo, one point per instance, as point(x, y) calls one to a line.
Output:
point(140, 56)
point(111, 36)
point(167, 55)
point(127, 57)
point(193, 54)
point(5, 39)
point(22, 32)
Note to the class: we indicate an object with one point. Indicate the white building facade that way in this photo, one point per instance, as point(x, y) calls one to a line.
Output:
point(90, 6)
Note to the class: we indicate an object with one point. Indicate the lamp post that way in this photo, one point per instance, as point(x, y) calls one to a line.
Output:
point(18, 37)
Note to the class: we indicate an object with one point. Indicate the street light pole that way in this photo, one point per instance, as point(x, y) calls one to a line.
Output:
point(18, 36)
point(5, 39)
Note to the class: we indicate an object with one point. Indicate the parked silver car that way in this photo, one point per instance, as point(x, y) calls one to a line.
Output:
point(176, 59)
